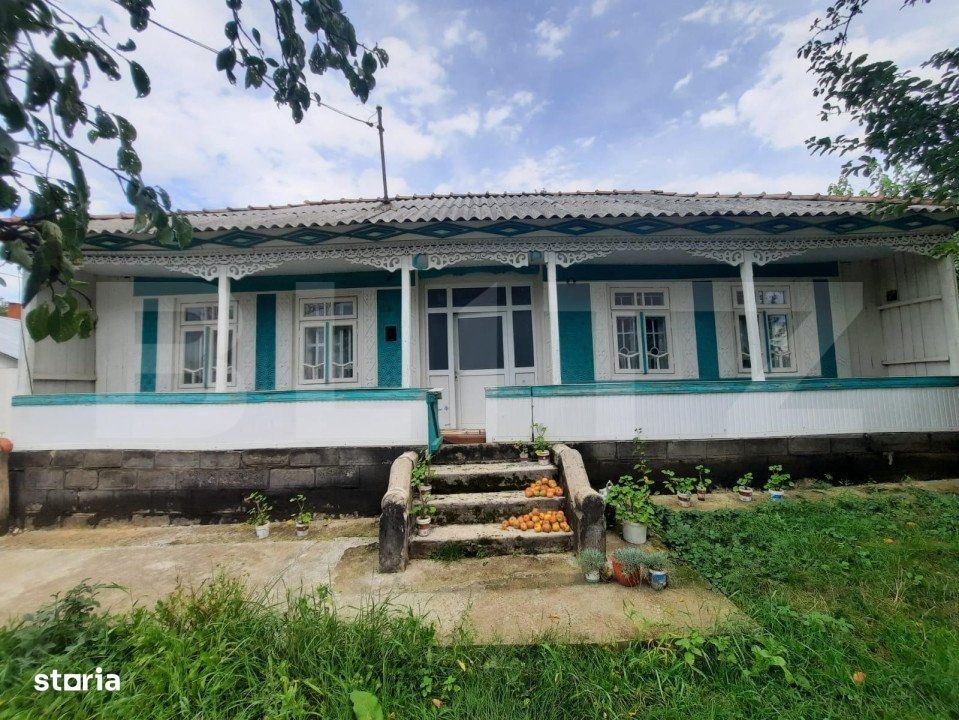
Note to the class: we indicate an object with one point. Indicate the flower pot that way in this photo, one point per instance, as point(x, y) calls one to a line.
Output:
point(524, 457)
point(423, 526)
point(657, 579)
point(302, 529)
point(425, 490)
point(701, 494)
point(542, 456)
point(263, 531)
point(626, 580)
point(634, 533)
point(684, 499)
point(746, 494)
point(6, 445)
point(592, 577)
point(776, 494)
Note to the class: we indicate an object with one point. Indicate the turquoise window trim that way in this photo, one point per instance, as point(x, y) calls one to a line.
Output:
point(389, 356)
point(768, 353)
point(824, 329)
point(704, 314)
point(575, 334)
point(326, 352)
point(229, 398)
point(435, 437)
point(642, 341)
point(265, 371)
point(585, 273)
point(687, 387)
point(148, 345)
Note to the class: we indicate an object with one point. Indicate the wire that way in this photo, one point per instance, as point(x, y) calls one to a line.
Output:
point(351, 117)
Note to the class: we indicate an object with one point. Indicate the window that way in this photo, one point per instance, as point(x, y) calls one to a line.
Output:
point(196, 335)
point(641, 330)
point(327, 341)
point(775, 330)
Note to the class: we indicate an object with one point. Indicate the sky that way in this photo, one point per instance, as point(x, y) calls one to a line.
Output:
point(505, 95)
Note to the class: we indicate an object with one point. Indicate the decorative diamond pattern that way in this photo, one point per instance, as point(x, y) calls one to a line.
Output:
point(778, 226)
point(577, 227)
point(239, 239)
point(109, 242)
point(848, 224)
point(510, 228)
point(644, 226)
point(308, 236)
point(442, 230)
point(713, 226)
point(376, 232)
point(910, 222)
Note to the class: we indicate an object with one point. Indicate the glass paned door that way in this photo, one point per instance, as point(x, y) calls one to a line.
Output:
point(480, 355)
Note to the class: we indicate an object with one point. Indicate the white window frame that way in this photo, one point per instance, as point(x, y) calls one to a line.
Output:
point(183, 326)
point(327, 322)
point(639, 311)
point(784, 308)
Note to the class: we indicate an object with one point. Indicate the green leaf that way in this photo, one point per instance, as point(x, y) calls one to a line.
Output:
point(366, 706)
point(37, 322)
point(226, 59)
point(41, 81)
point(141, 81)
point(128, 46)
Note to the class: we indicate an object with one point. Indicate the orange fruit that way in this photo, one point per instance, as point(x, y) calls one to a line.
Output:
point(559, 492)
point(522, 525)
point(546, 527)
point(555, 527)
point(552, 483)
point(538, 528)
point(506, 524)
point(528, 492)
point(564, 526)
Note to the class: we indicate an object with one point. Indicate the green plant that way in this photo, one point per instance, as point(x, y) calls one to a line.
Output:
point(422, 472)
point(631, 559)
point(678, 484)
point(656, 561)
point(521, 448)
point(259, 511)
point(744, 481)
point(301, 515)
point(591, 560)
point(540, 443)
point(778, 480)
point(631, 502)
point(641, 468)
point(423, 510)
point(703, 480)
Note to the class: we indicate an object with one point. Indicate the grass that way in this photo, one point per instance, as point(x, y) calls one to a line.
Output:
point(829, 595)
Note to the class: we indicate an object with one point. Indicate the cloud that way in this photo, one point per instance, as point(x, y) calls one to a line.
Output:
point(718, 60)
point(718, 12)
point(725, 115)
point(549, 37)
point(459, 33)
point(585, 142)
point(465, 123)
point(599, 7)
point(404, 10)
point(682, 82)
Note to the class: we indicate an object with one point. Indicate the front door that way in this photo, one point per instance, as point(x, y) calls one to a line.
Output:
point(480, 354)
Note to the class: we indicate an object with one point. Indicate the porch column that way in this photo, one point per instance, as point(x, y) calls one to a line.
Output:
point(222, 327)
point(950, 309)
point(752, 318)
point(406, 323)
point(553, 303)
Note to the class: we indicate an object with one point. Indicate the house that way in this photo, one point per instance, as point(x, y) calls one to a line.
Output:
point(308, 345)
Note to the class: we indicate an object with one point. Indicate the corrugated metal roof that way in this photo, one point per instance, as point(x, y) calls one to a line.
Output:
point(510, 206)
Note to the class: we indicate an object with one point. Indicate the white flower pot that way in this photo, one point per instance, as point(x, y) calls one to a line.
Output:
point(746, 494)
point(634, 533)
point(302, 529)
point(423, 526)
point(592, 577)
point(263, 531)
point(542, 456)
point(683, 498)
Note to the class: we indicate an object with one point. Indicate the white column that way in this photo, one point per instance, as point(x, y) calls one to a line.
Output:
point(553, 305)
point(406, 322)
point(222, 327)
point(950, 309)
point(752, 318)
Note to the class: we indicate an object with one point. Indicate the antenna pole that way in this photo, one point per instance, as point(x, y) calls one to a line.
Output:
point(379, 126)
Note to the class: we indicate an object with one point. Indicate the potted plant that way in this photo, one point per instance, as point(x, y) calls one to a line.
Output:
point(592, 562)
point(422, 475)
point(778, 482)
point(540, 444)
point(423, 512)
point(682, 486)
point(628, 566)
point(522, 449)
point(258, 514)
point(633, 508)
point(657, 570)
point(744, 487)
point(301, 516)
point(703, 481)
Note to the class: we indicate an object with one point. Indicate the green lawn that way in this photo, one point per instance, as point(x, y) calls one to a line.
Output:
point(830, 595)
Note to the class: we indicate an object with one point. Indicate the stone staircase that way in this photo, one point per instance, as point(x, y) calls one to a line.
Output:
point(475, 488)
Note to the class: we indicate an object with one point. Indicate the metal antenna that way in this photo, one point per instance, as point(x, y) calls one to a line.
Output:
point(379, 126)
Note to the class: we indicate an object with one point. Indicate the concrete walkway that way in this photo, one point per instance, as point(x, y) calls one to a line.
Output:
point(511, 599)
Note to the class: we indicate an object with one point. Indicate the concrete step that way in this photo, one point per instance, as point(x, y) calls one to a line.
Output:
point(488, 538)
point(458, 454)
point(489, 507)
point(488, 477)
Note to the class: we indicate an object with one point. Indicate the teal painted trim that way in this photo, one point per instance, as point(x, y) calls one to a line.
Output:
point(148, 346)
point(693, 272)
point(642, 341)
point(827, 340)
point(489, 269)
point(326, 353)
point(769, 354)
point(155, 287)
point(575, 334)
point(389, 357)
point(707, 348)
point(265, 374)
point(686, 387)
point(435, 437)
point(228, 398)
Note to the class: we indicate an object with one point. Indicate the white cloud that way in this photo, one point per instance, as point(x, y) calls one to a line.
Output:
point(404, 10)
point(466, 123)
point(725, 115)
point(682, 82)
point(517, 108)
point(549, 37)
point(414, 76)
point(599, 7)
point(718, 60)
point(459, 33)
point(717, 12)
point(585, 142)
